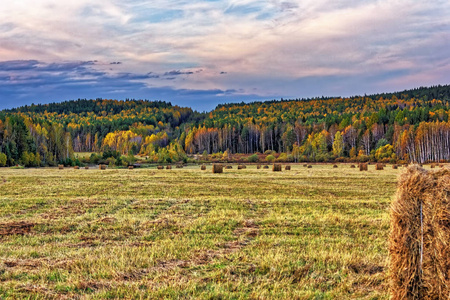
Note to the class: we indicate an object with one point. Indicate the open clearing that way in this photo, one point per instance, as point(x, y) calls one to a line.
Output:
point(317, 233)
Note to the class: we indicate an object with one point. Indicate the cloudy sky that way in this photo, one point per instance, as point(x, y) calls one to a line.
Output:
point(201, 53)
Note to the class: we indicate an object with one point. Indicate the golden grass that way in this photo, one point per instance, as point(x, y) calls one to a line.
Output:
point(316, 233)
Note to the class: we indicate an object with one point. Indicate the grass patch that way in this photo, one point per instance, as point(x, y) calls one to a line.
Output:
point(317, 233)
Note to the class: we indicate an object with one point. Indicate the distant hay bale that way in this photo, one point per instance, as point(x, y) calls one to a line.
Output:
point(309, 166)
point(305, 165)
point(203, 167)
point(61, 167)
point(179, 166)
point(266, 167)
point(419, 238)
point(217, 168)
point(86, 168)
point(76, 168)
point(287, 168)
point(240, 167)
point(352, 166)
point(130, 167)
point(335, 166)
point(433, 166)
point(395, 167)
point(169, 167)
point(363, 167)
point(160, 167)
point(229, 167)
point(258, 167)
point(379, 167)
point(441, 166)
point(102, 167)
point(276, 168)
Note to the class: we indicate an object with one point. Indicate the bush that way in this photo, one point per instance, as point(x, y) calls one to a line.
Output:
point(253, 158)
point(3, 159)
point(270, 158)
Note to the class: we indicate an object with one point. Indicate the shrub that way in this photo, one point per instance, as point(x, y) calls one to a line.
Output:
point(253, 158)
point(270, 158)
point(3, 159)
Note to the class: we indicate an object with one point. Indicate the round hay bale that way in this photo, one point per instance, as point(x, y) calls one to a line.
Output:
point(203, 167)
point(433, 166)
point(240, 167)
point(160, 167)
point(379, 167)
point(309, 167)
point(363, 167)
point(335, 166)
point(418, 240)
point(266, 167)
point(228, 167)
point(169, 167)
point(287, 168)
point(179, 166)
point(395, 167)
point(76, 168)
point(258, 167)
point(305, 165)
point(353, 166)
point(217, 168)
point(276, 168)
point(61, 167)
point(130, 167)
point(86, 168)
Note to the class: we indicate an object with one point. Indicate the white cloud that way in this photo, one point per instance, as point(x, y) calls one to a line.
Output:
point(255, 42)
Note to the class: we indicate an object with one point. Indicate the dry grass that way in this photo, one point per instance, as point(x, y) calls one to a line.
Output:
point(316, 233)
point(420, 231)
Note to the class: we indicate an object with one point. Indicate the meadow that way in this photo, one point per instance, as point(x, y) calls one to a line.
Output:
point(318, 233)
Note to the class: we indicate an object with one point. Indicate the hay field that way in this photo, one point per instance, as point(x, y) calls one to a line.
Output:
point(319, 233)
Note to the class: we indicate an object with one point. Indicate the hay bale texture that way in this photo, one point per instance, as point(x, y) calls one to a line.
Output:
point(287, 168)
point(309, 166)
point(160, 167)
point(363, 167)
point(258, 167)
point(353, 166)
point(266, 167)
point(229, 167)
point(276, 168)
point(203, 167)
point(395, 167)
point(217, 168)
point(130, 167)
point(379, 167)
point(102, 167)
point(419, 245)
point(61, 167)
point(240, 167)
point(86, 167)
point(168, 167)
point(335, 166)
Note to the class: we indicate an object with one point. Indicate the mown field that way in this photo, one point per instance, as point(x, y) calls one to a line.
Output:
point(317, 233)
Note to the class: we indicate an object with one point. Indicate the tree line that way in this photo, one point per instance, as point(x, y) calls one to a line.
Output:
point(408, 126)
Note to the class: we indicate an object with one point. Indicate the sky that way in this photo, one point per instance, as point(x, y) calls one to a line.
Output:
point(202, 53)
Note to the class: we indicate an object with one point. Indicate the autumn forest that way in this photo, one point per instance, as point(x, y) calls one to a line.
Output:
point(408, 126)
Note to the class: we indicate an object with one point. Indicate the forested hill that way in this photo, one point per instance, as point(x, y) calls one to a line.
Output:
point(412, 125)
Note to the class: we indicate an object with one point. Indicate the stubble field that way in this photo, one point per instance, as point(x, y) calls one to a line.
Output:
point(317, 233)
